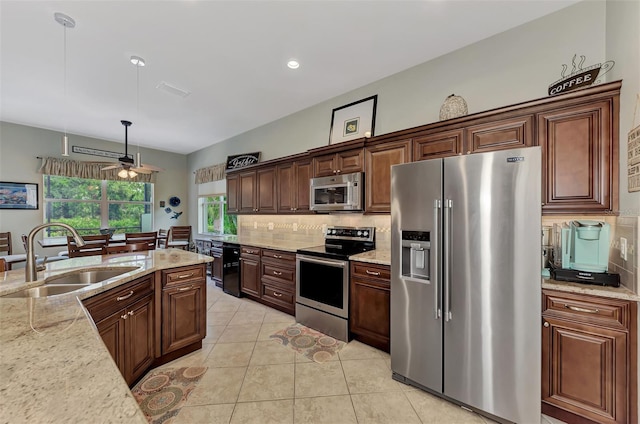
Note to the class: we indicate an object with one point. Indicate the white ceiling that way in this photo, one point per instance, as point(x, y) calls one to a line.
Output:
point(231, 56)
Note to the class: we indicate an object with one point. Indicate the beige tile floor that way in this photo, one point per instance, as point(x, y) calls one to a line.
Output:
point(252, 379)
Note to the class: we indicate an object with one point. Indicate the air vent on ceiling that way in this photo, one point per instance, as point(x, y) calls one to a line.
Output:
point(172, 89)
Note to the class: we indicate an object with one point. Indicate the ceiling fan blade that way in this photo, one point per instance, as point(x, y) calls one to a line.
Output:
point(151, 167)
point(106, 168)
point(140, 170)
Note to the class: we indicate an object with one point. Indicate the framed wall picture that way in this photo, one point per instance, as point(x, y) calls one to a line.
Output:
point(18, 195)
point(355, 120)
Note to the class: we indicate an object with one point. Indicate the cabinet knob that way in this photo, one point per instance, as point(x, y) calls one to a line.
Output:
point(291, 208)
point(124, 316)
point(468, 152)
point(546, 324)
point(339, 171)
point(130, 313)
point(543, 204)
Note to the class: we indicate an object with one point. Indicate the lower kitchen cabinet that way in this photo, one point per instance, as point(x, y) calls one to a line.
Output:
point(278, 278)
point(250, 271)
point(369, 319)
point(124, 317)
point(184, 307)
point(589, 358)
point(216, 265)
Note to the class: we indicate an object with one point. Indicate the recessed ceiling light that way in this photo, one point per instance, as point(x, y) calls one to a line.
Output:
point(293, 64)
point(137, 60)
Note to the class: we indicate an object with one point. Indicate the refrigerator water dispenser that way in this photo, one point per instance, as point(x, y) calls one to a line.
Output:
point(416, 247)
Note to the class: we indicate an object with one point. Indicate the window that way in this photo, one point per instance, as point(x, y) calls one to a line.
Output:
point(89, 205)
point(212, 216)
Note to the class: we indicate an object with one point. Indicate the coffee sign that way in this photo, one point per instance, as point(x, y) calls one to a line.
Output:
point(243, 160)
point(579, 77)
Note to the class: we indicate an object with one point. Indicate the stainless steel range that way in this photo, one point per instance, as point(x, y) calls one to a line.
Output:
point(322, 279)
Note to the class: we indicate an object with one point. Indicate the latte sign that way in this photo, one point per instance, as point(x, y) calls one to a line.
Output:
point(243, 160)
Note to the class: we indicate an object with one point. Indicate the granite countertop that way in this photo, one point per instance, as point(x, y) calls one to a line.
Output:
point(378, 256)
point(284, 245)
point(621, 292)
point(53, 364)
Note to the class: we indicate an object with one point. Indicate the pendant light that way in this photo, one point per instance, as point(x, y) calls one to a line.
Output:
point(67, 22)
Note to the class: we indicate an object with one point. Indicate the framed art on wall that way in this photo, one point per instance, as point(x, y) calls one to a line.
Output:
point(355, 120)
point(18, 195)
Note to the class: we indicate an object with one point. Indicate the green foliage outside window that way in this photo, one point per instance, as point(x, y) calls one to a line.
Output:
point(213, 216)
point(89, 205)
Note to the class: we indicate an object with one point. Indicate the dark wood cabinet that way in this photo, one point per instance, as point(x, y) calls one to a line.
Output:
point(256, 191)
point(344, 162)
point(250, 271)
point(124, 317)
point(369, 320)
point(232, 193)
point(580, 157)
point(438, 145)
point(278, 278)
point(293, 187)
point(508, 133)
point(378, 161)
point(184, 308)
point(589, 358)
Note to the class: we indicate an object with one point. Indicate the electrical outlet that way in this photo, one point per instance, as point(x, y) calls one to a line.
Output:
point(295, 226)
point(255, 225)
point(270, 226)
point(623, 248)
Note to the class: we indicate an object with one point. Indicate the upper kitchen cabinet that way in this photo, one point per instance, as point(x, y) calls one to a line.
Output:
point(438, 145)
point(256, 191)
point(378, 161)
point(580, 155)
point(232, 193)
point(507, 133)
point(338, 163)
point(293, 186)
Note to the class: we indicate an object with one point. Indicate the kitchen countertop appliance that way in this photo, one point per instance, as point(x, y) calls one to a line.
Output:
point(465, 280)
point(322, 279)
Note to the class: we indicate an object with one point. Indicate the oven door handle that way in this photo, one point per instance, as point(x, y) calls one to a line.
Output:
point(329, 262)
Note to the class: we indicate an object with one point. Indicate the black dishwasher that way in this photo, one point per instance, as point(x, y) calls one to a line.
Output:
point(231, 268)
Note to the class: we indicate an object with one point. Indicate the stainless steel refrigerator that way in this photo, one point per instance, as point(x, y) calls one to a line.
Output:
point(465, 280)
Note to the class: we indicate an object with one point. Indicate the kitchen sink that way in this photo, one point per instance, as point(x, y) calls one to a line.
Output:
point(44, 291)
point(87, 276)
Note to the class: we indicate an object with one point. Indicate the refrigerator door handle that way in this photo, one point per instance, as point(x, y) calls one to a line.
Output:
point(436, 248)
point(446, 282)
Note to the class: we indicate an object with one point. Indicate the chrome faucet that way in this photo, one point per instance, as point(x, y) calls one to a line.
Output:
point(30, 269)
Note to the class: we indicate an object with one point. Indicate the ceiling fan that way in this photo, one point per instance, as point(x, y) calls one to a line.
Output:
point(130, 168)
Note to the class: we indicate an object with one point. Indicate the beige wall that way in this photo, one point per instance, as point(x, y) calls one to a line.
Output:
point(19, 146)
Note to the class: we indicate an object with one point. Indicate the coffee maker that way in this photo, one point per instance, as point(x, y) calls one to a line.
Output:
point(586, 246)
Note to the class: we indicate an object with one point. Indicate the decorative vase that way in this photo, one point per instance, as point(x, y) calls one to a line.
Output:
point(453, 107)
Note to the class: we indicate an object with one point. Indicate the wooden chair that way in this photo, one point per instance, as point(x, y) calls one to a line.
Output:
point(126, 248)
point(7, 249)
point(179, 237)
point(162, 238)
point(149, 238)
point(93, 246)
point(3, 265)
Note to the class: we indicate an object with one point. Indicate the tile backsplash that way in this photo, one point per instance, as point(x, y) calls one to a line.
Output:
point(310, 228)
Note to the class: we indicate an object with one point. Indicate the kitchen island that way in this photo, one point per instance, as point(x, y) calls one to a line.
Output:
point(54, 366)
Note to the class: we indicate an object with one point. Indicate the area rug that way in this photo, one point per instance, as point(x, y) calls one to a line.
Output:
point(311, 343)
point(162, 394)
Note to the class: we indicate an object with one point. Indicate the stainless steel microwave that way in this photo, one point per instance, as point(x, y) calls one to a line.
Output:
point(337, 193)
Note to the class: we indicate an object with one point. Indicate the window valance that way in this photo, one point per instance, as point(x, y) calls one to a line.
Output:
point(210, 173)
point(92, 170)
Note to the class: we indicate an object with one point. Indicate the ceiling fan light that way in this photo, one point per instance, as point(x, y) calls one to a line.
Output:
point(65, 145)
point(123, 173)
point(132, 174)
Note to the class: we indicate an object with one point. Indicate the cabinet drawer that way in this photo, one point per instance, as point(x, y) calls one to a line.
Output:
point(586, 309)
point(249, 250)
point(107, 303)
point(372, 271)
point(182, 275)
point(275, 294)
point(279, 255)
point(284, 276)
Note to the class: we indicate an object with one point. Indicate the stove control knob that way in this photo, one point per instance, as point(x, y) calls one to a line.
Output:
point(365, 234)
point(359, 233)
